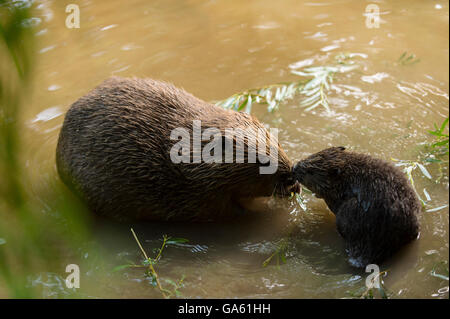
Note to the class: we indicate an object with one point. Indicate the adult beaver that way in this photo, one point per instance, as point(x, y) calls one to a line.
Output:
point(375, 206)
point(119, 150)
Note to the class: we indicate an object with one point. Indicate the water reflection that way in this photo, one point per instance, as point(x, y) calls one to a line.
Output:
point(215, 49)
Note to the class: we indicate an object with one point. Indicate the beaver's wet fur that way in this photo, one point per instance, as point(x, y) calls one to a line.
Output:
point(113, 151)
point(375, 206)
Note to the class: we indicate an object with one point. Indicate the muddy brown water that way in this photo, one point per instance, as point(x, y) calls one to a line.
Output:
point(214, 49)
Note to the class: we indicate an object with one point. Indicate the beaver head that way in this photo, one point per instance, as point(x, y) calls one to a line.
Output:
point(320, 172)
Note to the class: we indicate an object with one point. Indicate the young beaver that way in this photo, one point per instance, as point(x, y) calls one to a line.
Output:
point(114, 151)
point(375, 206)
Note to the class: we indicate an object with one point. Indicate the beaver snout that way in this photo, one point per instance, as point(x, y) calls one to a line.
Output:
point(287, 187)
point(299, 172)
point(296, 188)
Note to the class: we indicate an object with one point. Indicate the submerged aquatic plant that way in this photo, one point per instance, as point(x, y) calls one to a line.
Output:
point(279, 254)
point(314, 86)
point(149, 264)
point(406, 59)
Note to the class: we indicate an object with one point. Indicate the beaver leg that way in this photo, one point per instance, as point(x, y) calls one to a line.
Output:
point(351, 225)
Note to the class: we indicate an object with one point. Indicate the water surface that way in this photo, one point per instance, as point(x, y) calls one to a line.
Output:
point(214, 49)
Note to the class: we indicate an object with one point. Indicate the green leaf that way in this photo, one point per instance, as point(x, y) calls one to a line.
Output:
point(441, 143)
point(267, 261)
point(436, 209)
point(312, 84)
point(424, 171)
point(121, 267)
point(236, 103)
point(248, 109)
point(272, 106)
point(434, 274)
point(153, 280)
point(243, 104)
point(428, 197)
point(433, 160)
point(300, 73)
point(173, 241)
point(444, 125)
point(171, 282)
point(149, 261)
point(314, 106)
point(435, 133)
point(311, 99)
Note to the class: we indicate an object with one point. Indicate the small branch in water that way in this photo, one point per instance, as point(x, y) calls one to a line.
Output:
point(314, 89)
point(149, 264)
point(368, 294)
point(166, 293)
point(407, 60)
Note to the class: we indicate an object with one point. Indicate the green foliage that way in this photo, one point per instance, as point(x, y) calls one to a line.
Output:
point(316, 89)
point(440, 270)
point(150, 263)
point(439, 147)
point(406, 59)
point(314, 86)
point(373, 293)
point(408, 168)
point(436, 152)
point(25, 248)
point(279, 254)
point(272, 95)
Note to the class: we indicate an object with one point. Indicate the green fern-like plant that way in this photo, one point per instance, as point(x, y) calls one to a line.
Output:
point(316, 89)
point(314, 86)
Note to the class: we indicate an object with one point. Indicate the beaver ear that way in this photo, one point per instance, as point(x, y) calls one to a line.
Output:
point(341, 148)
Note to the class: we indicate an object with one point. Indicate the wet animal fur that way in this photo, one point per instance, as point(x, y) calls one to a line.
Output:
point(375, 206)
point(113, 151)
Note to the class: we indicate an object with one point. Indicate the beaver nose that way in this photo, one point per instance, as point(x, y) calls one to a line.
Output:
point(296, 188)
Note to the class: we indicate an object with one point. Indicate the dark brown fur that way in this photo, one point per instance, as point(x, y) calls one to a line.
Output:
point(375, 206)
point(113, 151)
